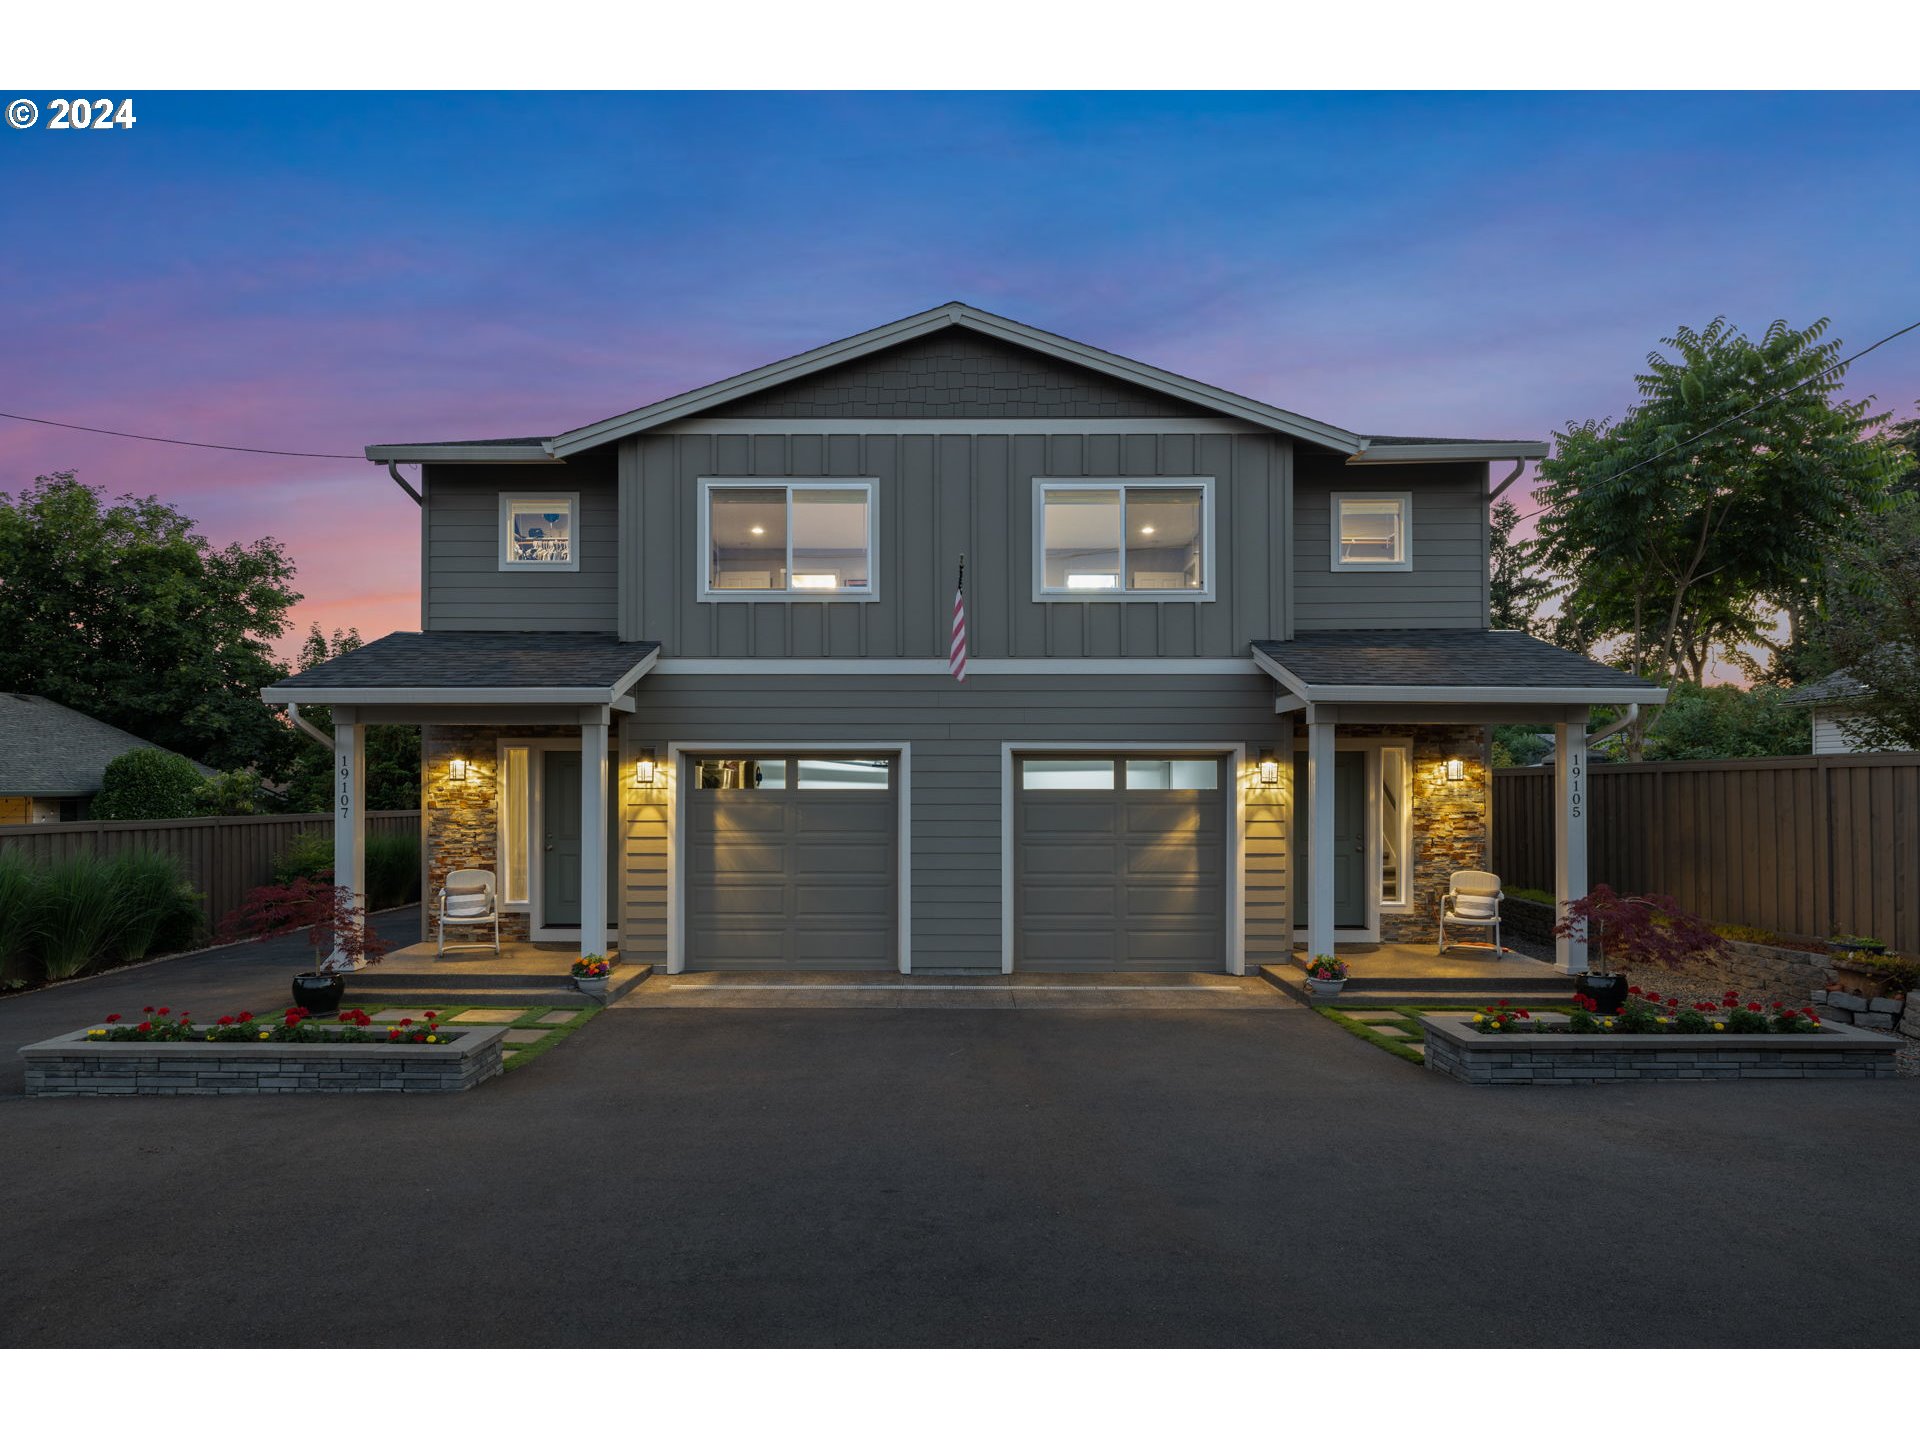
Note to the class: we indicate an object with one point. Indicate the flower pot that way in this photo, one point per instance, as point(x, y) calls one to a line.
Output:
point(319, 993)
point(1323, 989)
point(1608, 992)
point(596, 986)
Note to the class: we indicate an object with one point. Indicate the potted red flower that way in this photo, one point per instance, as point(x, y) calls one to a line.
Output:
point(1326, 974)
point(334, 924)
point(590, 975)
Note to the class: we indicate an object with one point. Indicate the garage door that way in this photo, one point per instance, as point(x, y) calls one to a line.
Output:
point(791, 863)
point(1120, 863)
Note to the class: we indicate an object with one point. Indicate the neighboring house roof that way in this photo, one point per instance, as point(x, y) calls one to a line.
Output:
point(1444, 665)
point(49, 750)
point(1180, 389)
point(475, 666)
point(1837, 686)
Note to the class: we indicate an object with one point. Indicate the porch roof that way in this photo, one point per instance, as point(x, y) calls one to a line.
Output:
point(1444, 667)
point(475, 667)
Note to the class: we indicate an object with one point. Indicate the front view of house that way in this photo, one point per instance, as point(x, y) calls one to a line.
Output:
point(684, 674)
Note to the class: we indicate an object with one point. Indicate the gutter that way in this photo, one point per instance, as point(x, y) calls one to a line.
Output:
point(312, 731)
point(1607, 732)
point(393, 469)
point(1498, 490)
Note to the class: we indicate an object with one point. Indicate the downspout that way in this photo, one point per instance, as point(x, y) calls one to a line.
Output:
point(1496, 493)
point(1607, 732)
point(313, 732)
point(393, 469)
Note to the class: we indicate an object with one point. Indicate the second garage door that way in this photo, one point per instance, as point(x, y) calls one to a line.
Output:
point(1120, 863)
point(791, 863)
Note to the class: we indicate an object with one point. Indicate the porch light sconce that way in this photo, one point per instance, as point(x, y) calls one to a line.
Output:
point(1456, 770)
point(1269, 767)
point(643, 770)
point(457, 771)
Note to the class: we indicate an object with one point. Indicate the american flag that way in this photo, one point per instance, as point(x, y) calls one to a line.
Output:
point(957, 650)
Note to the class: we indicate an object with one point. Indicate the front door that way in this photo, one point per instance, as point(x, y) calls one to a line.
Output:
point(560, 842)
point(1349, 840)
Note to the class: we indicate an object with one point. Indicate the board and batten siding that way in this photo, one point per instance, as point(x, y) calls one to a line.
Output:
point(463, 586)
point(1447, 586)
point(941, 496)
point(956, 733)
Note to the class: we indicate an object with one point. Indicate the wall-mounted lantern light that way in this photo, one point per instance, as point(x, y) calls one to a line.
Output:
point(1456, 770)
point(1269, 767)
point(644, 769)
point(457, 771)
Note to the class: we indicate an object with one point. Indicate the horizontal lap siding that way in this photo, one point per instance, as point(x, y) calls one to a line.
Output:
point(956, 732)
point(1800, 845)
point(465, 588)
point(941, 496)
point(1447, 586)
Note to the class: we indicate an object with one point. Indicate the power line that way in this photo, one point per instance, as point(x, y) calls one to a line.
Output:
point(195, 444)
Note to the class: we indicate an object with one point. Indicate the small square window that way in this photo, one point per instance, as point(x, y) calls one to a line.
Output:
point(538, 532)
point(1372, 532)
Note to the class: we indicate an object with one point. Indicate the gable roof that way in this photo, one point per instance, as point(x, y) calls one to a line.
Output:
point(1181, 393)
point(49, 750)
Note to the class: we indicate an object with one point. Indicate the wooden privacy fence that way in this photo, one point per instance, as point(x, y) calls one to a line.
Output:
point(225, 855)
point(1811, 845)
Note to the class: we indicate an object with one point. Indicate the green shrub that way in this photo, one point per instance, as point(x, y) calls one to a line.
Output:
point(393, 870)
point(231, 792)
point(78, 916)
point(393, 865)
point(307, 856)
point(19, 901)
point(159, 909)
point(148, 784)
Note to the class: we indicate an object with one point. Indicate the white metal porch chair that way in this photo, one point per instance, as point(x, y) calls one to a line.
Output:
point(468, 899)
point(1472, 902)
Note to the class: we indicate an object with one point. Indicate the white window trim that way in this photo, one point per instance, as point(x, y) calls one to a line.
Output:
point(704, 555)
point(552, 500)
point(1376, 567)
point(1208, 565)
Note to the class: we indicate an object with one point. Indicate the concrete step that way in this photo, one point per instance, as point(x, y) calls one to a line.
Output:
point(1387, 993)
point(370, 986)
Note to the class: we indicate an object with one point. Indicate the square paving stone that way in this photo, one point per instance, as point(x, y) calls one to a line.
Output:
point(555, 1017)
point(483, 1017)
point(524, 1037)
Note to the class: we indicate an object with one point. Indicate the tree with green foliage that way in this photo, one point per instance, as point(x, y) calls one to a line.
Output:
point(1726, 722)
point(1515, 589)
point(148, 785)
point(1686, 527)
point(1871, 628)
point(123, 611)
point(393, 751)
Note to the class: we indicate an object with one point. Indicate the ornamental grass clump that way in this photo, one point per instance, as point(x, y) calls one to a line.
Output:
point(77, 916)
point(158, 908)
point(17, 898)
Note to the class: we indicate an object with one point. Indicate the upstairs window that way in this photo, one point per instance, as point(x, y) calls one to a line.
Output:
point(1123, 540)
point(799, 540)
point(1373, 531)
point(537, 532)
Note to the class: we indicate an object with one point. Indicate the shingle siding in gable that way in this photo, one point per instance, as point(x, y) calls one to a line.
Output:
point(954, 373)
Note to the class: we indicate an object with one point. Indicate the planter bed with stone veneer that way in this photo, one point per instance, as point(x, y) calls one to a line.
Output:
point(72, 1064)
point(1553, 1056)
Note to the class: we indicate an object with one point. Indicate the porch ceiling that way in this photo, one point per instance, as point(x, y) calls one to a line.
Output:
point(489, 668)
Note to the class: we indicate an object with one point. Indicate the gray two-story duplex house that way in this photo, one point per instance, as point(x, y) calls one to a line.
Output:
point(685, 672)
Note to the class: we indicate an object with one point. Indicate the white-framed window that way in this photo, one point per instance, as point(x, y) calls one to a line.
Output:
point(540, 532)
point(1123, 539)
point(1372, 530)
point(788, 539)
point(1396, 824)
point(515, 808)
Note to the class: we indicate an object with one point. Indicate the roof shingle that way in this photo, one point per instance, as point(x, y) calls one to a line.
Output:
point(1487, 659)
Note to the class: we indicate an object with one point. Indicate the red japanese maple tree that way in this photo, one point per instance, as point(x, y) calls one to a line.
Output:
point(1641, 930)
point(334, 923)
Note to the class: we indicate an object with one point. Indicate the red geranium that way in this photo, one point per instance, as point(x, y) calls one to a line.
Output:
point(145, 1025)
point(112, 1018)
point(1753, 1005)
point(1633, 990)
point(245, 1016)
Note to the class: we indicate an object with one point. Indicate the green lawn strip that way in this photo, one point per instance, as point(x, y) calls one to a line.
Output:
point(1347, 1022)
point(555, 1034)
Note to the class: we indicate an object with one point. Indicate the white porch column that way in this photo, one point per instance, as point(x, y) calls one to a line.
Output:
point(1319, 837)
point(1570, 837)
point(350, 806)
point(593, 838)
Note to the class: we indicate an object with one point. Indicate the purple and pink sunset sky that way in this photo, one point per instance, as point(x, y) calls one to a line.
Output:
point(318, 272)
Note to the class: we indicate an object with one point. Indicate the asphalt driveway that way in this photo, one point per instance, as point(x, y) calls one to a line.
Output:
point(965, 1177)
